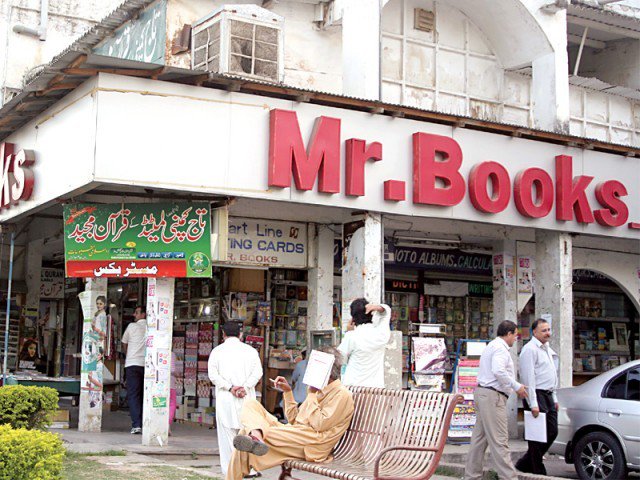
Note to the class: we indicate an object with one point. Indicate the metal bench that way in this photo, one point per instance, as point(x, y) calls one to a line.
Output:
point(394, 434)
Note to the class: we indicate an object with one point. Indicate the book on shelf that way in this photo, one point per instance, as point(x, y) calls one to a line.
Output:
point(281, 307)
point(263, 313)
point(291, 338)
point(292, 307)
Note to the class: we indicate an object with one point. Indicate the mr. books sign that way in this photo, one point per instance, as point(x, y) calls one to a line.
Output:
point(441, 177)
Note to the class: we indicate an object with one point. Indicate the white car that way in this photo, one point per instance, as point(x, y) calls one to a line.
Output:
point(599, 424)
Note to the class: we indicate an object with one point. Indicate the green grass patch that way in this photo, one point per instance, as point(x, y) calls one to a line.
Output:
point(80, 467)
point(447, 472)
point(107, 453)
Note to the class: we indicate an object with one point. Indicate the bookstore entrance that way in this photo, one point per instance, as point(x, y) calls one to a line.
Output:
point(272, 305)
point(428, 284)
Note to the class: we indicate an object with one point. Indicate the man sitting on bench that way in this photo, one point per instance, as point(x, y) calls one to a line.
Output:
point(314, 428)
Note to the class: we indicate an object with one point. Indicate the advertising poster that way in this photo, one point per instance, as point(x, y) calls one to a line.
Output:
point(137, 240)
point(157, 367)
point(94, 331)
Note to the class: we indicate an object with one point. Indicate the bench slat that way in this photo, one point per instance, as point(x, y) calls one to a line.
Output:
point(388, 418)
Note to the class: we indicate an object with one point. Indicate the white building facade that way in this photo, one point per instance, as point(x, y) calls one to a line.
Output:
point(491, 144)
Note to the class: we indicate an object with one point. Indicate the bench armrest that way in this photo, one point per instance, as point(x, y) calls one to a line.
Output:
point(431, 469)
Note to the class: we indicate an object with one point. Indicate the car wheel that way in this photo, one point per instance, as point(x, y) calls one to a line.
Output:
point(598, 456)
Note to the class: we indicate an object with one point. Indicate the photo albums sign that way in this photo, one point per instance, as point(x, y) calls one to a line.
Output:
point(137, 240)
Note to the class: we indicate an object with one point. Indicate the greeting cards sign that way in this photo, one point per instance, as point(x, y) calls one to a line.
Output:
point(137, 240)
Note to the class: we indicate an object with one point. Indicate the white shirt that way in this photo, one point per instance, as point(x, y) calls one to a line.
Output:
point(233, 364)
point(496, 367)
point(363, 350)
point(135, 336)
point(538, 369)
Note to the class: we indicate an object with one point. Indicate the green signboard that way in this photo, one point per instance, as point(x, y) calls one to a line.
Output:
point(142, 39)
point(137, 240)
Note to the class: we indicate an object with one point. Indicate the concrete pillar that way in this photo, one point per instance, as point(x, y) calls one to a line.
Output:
point(550, 82)
point(362, 268)
point(505, 297)
point(554, 295)
point(320, 306)
point(361, 49)
point(157, 364)
point(363, 276)
point(94, 328)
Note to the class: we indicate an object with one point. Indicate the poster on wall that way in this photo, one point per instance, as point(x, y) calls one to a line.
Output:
point(138, 240)
point(51, 283)
point(94, 331)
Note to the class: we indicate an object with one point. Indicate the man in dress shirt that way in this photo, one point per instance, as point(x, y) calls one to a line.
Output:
point(538, 369)
point(235, 369)
point(496, 381)
point(363, 347)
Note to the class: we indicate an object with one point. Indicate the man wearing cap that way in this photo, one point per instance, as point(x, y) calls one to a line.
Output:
point(234, 369)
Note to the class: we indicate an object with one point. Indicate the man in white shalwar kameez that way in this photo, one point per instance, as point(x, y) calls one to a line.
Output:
point(234, 369)
point(363, 348)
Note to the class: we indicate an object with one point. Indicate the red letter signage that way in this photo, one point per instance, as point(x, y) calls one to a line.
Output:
point(615, 211)
point(523, 189)
point(17, 178)
point(570, 193)
point(287, 154)
point(357, 155)
point(426, 170)
point(479, 179)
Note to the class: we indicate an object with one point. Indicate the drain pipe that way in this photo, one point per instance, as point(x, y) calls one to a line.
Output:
point(40, 32)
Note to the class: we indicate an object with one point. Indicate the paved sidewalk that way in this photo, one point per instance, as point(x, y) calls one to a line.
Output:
point(196, 447)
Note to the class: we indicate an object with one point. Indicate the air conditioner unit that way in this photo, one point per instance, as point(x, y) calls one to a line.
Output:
point(242, 40)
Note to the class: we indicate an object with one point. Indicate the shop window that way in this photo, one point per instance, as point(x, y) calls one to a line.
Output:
point(244, 40)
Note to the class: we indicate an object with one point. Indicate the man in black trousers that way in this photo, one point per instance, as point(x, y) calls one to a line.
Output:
point(539, 370)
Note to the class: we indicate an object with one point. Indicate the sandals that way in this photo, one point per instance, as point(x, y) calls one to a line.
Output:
point(249, 443)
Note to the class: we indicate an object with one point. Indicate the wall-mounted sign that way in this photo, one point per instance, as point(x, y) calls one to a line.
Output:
point(454, 261)
point(441, 178)
point(17, 177)
point(141, 39)
point(137, 240)
point(51, 283)
point(480, 289)
point(391, 285)
point(267, 243)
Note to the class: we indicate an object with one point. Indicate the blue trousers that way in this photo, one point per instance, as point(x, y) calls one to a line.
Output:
point(135, 389)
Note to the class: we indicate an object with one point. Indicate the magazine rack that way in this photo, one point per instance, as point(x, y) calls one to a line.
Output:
point(464, 382)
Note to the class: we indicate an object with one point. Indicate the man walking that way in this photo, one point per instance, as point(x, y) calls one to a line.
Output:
point(134, 345)
point(539, 370)
point(235, 369)
point(363, 347)
point(496, 380)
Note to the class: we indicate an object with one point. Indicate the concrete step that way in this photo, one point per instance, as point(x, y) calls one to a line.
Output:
point(461, 457)
point(456, 470)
